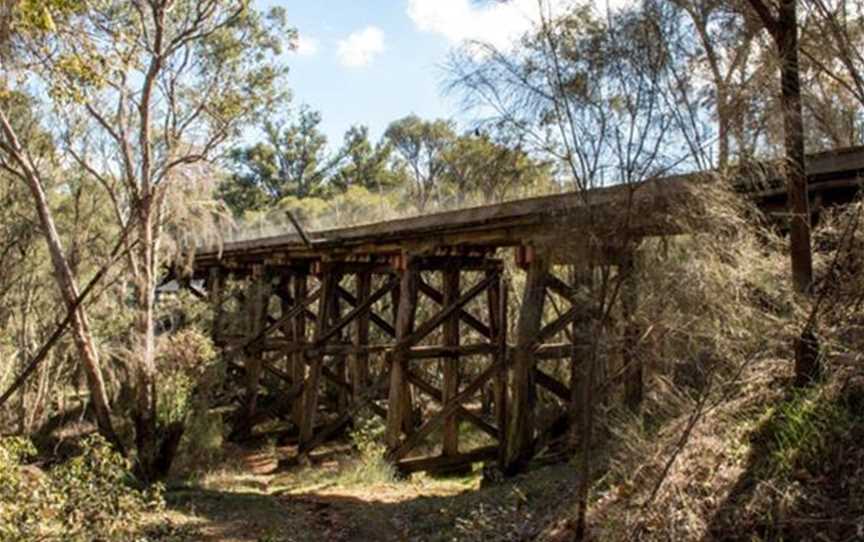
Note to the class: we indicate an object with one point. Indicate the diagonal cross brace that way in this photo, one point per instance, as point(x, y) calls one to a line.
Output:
point(296, 310)
point(448, 410)
point(469, 319)
point(347, 319)
point(382, 324)
point(445, 313)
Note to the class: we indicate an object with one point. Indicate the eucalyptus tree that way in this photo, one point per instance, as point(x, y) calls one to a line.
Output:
point(488, 171)
point(364, 164)
point(726, 46)
point(144, 93)
point(833, 72)
point(24, 23)
point(418, 154)
point(291, 160)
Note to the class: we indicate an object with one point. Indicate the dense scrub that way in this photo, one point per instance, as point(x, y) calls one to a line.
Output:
point(88, 497)
point(728, 448)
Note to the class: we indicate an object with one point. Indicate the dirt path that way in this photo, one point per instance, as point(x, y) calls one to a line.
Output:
point(311, 504)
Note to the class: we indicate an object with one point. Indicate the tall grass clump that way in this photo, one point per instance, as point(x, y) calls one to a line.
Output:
point(370, 467)
point(714, 308)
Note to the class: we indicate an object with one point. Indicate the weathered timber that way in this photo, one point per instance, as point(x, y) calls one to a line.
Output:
point(374, 318)
point(469, 319)
point(432, 323)
point(552, 384)
point(632, 362)
point(334, 328)
point(462, 412)
point(450, 276)
point(360, 338)
point(417, 437)
point(520, 428)
point(286, 302)
point(310, 392)
point(298, 361)
point(256, 311)
point(340, 361)
point(298, 308)
point(447, 463)
point(399, 416)
point(452, 352)
point(453, 243)
point(216, 288)
point(497, 304)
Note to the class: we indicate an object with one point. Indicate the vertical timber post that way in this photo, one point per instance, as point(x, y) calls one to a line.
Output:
point(520, 433)
point(399, 416)
point(497, 299)
point(450, 278)
point(582, 278)
point(287, 302)
point(340, 360)
point(298, 361)
point(256, 305)
point(216, 284)
point(633, 379)
point(360, 359)
point(329, 288)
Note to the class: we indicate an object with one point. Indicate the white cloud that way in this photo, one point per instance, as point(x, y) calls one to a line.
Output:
point(460, 20)
point(306, 46)
point(497, 23)
point(360, 48)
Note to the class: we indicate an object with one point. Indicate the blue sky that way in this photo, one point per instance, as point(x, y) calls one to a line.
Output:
point(373, 61)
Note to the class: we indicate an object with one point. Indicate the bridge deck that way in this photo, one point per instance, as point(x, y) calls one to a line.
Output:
point(834, 175)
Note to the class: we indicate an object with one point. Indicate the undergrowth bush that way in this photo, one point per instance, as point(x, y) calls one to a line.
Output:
point(90, 497)
point(370, 466)
point(724, 449)
point(190, 377)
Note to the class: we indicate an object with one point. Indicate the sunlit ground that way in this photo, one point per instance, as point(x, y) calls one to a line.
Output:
point(330, 500)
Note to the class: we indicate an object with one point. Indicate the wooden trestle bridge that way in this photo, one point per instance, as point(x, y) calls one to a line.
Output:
point(382, 317)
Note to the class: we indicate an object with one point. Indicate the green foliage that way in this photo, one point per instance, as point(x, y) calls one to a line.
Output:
point(370, 467)
point(91, 496)
point(41, 16)
point(363, 165)
point(800, 431)
point(418, 148)
point(191, 375)
point(186, 361)
point(291, 161)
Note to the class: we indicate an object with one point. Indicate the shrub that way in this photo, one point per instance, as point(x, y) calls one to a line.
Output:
point(90, 497)
point(370, 467)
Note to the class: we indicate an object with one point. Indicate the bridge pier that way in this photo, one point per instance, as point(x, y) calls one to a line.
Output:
point(408, 366)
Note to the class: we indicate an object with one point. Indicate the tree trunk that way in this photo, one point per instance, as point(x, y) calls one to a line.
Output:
point(146, 430)
point(807, 360)
point(784, 30)
point(81, 334)
point(793, 125)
